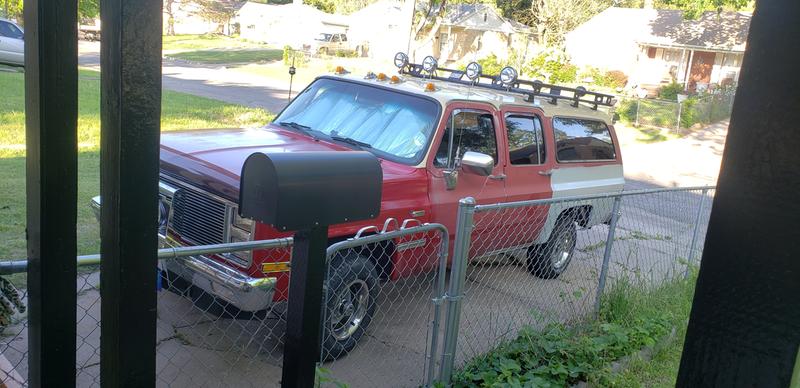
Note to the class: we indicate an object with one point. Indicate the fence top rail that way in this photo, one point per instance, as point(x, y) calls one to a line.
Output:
point(19, 266)
point(381, 236)
point(536, 202)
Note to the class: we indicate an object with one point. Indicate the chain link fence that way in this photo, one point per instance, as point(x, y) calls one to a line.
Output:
point(529, 264)
point(396, 311)
point(673, 115)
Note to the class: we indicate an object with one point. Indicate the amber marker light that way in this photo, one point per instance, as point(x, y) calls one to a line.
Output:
point(381, 77)
point(430, 87)
point(395, 79)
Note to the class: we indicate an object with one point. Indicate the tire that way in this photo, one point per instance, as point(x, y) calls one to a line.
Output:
point(550, 260)
point(352, 289)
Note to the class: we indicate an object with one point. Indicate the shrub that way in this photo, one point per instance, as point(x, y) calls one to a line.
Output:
point(552, 65)
point(616, 79)
point(670, 91)
point(490, 65)
point(299, 57)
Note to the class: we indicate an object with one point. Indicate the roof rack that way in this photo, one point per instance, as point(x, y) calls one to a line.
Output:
point(530, 89)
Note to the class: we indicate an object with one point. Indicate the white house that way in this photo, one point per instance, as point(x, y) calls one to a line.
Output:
point(383, 28)
point(659, 46)
point(289, 24)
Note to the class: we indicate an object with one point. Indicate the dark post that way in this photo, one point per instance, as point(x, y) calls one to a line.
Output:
point(51, 120)
point(301, 349)
point(743, 329)
point(130, 111)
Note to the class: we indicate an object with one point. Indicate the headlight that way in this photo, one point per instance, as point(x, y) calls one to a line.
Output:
point(240, 222)
point(429, 64)
point(400, 60)
point(241, 231)
point(473, 70)
point(508, 75)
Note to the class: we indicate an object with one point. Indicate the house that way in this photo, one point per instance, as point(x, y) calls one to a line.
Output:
point(383, 28)
point(292, 24)
point(654, 46)
point(469, 32)
point(186, 19)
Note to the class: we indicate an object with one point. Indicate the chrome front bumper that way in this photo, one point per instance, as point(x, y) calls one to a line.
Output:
point(242, 291)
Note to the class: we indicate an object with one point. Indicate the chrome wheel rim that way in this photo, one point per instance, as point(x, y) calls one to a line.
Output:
point(561, 254)
point(349, 309)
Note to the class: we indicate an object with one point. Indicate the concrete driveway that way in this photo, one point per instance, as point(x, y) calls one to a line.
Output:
point(500, 296)
point(212, 81)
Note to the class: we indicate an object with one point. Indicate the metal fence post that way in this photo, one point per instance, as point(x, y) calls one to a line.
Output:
point(638, 107)
point(444, 250)
point(690, 254)
point(607, 253)
point(458, 272)
point(678, 123)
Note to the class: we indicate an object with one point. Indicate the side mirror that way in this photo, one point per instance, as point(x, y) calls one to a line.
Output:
point(477, 163)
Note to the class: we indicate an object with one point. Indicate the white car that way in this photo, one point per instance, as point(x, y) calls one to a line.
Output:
point(12, 44)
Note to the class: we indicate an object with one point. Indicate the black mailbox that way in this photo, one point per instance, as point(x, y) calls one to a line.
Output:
point(297, 190)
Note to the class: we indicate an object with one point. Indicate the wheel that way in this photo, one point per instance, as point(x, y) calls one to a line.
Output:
point(549, 260)
point(352, 288)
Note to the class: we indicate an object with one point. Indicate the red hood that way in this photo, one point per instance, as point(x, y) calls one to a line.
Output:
point(213, 159)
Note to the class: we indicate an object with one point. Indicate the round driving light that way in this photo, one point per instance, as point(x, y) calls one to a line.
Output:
point(429, 64)
point(580, 91)
point(400, 60)
point(473, 70)
point(508, 75)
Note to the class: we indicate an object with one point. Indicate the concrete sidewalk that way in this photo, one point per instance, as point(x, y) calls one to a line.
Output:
point(211, 81)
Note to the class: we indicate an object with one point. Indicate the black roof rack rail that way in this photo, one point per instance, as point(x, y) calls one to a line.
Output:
point(530, 89)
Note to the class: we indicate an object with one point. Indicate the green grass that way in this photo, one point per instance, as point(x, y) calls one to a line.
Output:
point(230, 56)
point(179, 111)
point(633, 315)
point(218, 49)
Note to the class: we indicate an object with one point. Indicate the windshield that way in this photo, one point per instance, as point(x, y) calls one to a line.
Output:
point(324, 37)
point(394, 125)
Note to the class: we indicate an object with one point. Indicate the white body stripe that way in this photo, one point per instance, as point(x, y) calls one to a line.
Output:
point(569, 181)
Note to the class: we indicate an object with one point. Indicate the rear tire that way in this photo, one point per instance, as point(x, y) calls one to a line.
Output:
point(352, 289)
point(550, 260)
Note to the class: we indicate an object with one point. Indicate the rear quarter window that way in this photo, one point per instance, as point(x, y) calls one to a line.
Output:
point(582, 140)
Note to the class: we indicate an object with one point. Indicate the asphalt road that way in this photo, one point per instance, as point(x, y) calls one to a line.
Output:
point(212, 81)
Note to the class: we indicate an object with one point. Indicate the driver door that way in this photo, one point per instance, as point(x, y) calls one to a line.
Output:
point(475, 127)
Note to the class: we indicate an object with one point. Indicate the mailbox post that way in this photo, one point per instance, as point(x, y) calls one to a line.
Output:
point(306, 192)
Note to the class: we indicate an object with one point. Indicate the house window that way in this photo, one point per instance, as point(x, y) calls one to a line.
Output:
point(442, 41)
point(651, 52)
point(731, 60)
point(671, 55)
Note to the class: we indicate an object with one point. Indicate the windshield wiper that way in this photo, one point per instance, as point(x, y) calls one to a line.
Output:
point(351, 141)
point(304, 129)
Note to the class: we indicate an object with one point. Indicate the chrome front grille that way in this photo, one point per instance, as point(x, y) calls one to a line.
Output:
point(198, 217)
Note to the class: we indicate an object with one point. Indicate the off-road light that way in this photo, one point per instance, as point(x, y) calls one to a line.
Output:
point(473, 70)
point(400, 60)
point(508, 76)
point(580, 91)
point(429, 64)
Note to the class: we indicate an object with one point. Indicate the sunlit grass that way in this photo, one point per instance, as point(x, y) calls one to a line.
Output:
point(179, 111)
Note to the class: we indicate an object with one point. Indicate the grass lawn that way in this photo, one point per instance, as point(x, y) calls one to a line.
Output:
point(179, 111)
point(218, 49)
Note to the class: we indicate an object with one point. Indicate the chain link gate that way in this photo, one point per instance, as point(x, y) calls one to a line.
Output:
point(399, 302)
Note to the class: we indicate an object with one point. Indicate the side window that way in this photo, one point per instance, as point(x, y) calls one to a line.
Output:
point(525, 142)
point(344, 38)
point(582, 140)
point(472, 131)
point(335, 38)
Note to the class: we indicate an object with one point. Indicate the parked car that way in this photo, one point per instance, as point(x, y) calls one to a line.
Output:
point(439, 139)
point(12, 44)
point(329, 43)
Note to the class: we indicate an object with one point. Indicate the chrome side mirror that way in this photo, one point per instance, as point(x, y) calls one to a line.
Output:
point(477, 163)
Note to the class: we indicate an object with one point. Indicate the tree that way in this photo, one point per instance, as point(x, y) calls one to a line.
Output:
point(552, 19)
point(168, 4)
point(694, 8)
point(88, 9)
point(218, 11)
point(12, 9)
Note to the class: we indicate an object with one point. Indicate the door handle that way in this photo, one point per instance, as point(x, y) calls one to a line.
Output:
point(546, 173)
point(498, 177)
